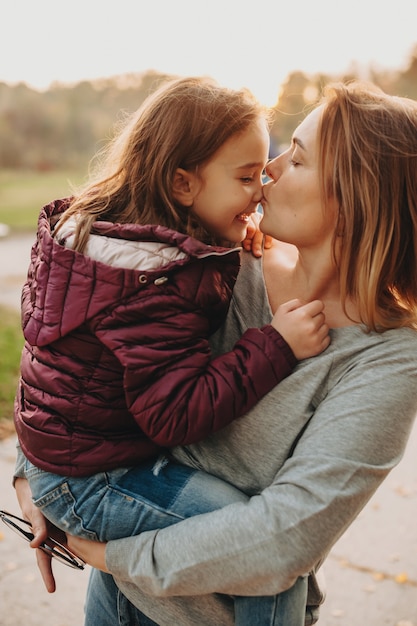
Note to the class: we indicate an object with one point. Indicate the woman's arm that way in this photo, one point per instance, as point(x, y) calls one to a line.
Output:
point(356, 436)
point(92, 552)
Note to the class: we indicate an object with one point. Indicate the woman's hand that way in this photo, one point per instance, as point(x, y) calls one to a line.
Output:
point(254, 237)
point(40, 530)
point(92, 552)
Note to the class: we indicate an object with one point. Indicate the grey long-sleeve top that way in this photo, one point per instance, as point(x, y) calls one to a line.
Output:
point(311, 453)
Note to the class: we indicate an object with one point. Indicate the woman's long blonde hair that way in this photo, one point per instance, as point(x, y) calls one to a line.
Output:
point(181, 125)
point(368, 152)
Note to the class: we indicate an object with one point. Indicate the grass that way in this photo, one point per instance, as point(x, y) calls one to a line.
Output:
point(11, 343)
point(24, 193)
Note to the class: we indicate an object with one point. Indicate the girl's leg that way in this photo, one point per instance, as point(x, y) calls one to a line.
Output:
point(285, 609)
point(125, 502)
point(153, 495)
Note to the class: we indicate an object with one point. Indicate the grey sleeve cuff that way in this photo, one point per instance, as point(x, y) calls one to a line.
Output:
point(19, 470)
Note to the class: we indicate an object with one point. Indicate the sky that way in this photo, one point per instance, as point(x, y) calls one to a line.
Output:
point(254, 43)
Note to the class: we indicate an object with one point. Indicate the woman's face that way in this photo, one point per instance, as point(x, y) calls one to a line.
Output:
point(292, 202)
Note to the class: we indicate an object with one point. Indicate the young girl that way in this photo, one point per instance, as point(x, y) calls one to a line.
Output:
point(128, 279)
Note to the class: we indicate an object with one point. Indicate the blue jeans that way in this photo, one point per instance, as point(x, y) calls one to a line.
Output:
point(125, 502)
point(107, 606)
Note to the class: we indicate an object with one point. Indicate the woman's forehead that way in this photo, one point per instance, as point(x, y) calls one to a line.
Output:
point(305, 135)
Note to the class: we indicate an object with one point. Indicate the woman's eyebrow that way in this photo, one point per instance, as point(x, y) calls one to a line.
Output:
point(298, 142)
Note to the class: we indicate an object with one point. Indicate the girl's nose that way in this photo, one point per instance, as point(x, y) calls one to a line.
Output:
point(257, 196)
point(272, 168)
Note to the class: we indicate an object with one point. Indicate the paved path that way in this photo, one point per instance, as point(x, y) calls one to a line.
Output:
point(371, 572)
point(23, 598)
point(14, 259)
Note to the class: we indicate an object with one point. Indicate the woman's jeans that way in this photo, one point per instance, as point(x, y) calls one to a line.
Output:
point(125, 502)
point(107, 606)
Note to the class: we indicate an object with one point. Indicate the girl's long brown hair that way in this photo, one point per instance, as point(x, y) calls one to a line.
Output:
point(368, 148)
point(181, 125)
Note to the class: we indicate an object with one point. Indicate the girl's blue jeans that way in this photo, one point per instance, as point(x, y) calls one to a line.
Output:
point(125, 502)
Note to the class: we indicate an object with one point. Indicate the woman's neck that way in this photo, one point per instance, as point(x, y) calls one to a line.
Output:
point(290, 274)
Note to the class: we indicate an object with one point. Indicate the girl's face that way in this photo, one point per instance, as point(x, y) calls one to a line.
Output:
point(292, 202)
point(230, 184)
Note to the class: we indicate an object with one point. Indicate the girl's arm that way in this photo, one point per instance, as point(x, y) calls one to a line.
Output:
point(255, 241)
point(176, 392)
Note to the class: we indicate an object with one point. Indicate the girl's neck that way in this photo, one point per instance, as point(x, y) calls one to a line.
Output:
point(289, 274)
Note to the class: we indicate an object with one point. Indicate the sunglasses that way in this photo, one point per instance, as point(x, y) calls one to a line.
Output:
point(50, 545)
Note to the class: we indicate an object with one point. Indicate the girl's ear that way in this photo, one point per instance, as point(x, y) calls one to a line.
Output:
point(185, 187)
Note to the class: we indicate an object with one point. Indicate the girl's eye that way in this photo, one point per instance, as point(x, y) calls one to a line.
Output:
point(294, 163)
point(247, 179)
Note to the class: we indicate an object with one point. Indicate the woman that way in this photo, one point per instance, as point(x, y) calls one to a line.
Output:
point(342, 205)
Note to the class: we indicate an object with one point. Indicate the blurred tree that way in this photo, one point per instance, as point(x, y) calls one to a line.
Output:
point(406, 83)
point(66, 125)
point(290, 108)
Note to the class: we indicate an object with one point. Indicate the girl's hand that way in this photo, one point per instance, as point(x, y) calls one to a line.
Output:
point(92, 552)
point(254, 237)
point(303, 327)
